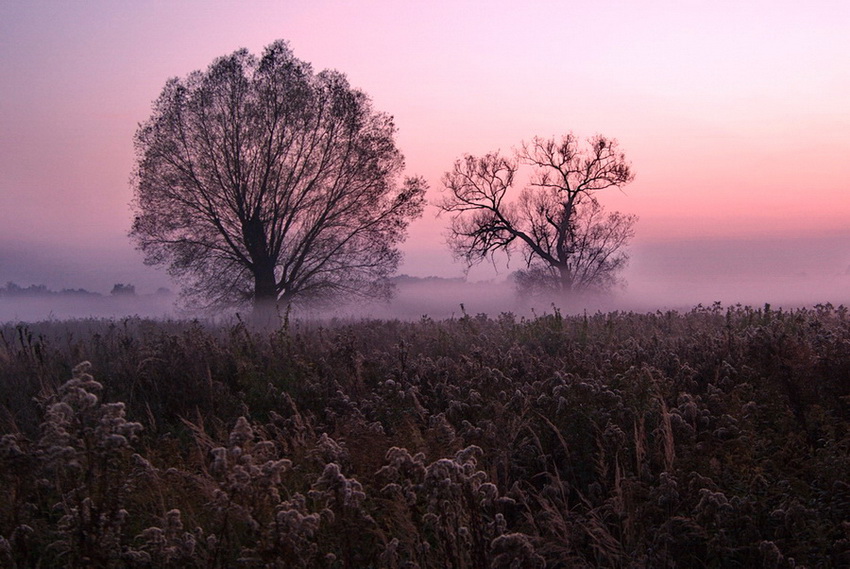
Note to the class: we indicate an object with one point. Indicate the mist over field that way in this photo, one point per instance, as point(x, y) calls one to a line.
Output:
point(66, 305)
point(787, 273)
point(675, 275)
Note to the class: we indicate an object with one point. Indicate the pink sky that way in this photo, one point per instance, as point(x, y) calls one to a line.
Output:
point(735, 115)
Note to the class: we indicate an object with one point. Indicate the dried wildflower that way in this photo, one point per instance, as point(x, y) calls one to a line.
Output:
point(165, 546)
point(218, 467)
point(772, 557)
point(667, 493)
point(444, 433)
point(241, 434)
point(10, 446)
point(515, 551)
point(712, 506)
point(329, 451)
point(499, 525)
point(289, 538)
point(390, 558)
point(334, 486)
point(488, 492)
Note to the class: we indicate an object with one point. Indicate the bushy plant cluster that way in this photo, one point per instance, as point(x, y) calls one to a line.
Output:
point(713, 438)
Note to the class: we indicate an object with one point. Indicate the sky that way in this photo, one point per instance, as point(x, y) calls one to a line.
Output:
point(735, 116)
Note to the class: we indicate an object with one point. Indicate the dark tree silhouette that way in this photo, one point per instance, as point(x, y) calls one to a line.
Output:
point(259, 181)
point(568, 242)
point(121, 289)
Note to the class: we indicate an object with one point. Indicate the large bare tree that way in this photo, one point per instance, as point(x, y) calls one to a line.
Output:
point(567, 240)
point(259, 181)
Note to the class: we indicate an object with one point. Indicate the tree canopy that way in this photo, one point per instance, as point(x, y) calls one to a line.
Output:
point(567, 240)
point(260, 181)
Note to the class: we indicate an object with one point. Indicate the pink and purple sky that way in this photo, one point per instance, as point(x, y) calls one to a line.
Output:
point(735, 115)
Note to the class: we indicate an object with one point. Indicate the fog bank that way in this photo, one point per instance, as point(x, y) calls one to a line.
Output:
point(678, 275)
point(59, 306)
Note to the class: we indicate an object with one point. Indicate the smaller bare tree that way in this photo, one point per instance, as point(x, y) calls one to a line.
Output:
point(568, 242)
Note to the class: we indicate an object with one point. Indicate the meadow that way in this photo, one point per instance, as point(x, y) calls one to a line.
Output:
point(716, 437)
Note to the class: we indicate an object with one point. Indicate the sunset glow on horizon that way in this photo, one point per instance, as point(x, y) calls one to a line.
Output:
point(734, 115)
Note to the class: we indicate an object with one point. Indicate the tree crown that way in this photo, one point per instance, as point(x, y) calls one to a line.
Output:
point(567, 241)
point(261, 180)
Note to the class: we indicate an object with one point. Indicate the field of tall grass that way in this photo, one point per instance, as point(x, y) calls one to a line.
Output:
point(718, 437)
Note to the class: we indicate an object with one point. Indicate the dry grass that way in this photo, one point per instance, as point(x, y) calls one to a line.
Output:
point(713, 438)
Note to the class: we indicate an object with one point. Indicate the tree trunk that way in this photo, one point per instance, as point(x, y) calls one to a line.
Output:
point(566, 278)
point(266, 315)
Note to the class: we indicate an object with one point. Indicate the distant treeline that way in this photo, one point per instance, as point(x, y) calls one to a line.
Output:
point(407, 279)
point(15, 290)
